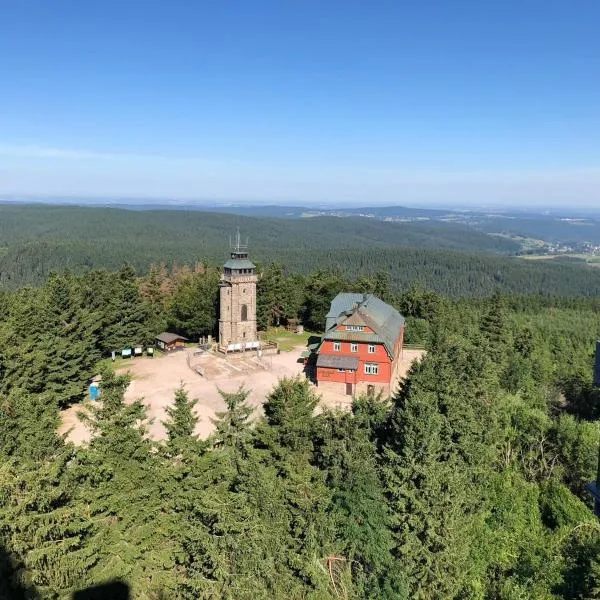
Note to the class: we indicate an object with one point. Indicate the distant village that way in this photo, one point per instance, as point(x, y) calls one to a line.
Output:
point(566, 248)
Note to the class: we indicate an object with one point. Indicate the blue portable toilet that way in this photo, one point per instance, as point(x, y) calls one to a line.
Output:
point(94, 390)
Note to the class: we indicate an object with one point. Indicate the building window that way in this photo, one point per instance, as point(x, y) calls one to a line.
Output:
point(244, 291)
point(371, 368)
point(371, 348)
point(244, 312)
point(337, 346)
point(353, 347)
point(341, 370)
point(354, 328)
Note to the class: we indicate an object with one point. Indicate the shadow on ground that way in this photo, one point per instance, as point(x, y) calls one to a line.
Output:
point(12, 589)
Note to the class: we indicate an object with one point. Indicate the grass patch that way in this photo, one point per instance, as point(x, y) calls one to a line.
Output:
point(287, 340)
point(526, 243)
point(123, 363)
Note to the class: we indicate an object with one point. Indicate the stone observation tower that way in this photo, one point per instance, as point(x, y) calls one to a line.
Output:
point(237, 294)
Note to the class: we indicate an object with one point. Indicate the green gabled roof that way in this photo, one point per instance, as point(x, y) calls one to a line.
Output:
point(385, 321)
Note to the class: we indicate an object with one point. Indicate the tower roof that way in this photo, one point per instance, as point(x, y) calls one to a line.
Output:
point(239, 263)
point(239, 255)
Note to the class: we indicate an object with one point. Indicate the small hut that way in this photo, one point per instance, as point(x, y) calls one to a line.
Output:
point(169, 342)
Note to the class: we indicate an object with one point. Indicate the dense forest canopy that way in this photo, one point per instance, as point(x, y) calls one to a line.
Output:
point(209, 232)
point(467, 484)
point(449, 259)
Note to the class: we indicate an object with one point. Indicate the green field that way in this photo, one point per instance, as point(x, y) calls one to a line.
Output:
point(588, 259)
point(526, 243)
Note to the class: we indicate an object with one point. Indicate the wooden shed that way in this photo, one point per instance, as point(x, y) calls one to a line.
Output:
point(168, 342)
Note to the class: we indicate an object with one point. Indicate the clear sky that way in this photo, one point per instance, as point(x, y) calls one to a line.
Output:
point(421, 102)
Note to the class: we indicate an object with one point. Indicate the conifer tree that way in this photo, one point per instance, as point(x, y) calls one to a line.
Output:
point(287, 439)
point(119, 477)
point(193, 307)
point(358, 510)
point(127, 316)
point(439, 447)
point(53, 346)
point(320, 290)
point(270, 297)
point(28, 424)
point(494, 330)
point(289, 412)
point(233, 425)
point(181, 423)
point(49, 533)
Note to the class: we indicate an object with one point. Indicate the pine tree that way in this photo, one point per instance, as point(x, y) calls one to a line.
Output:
point(28, 425)
point(54, 350)
point(358, 510)
point(320, 290)
point(289, 411)
point(49, 533)
point(120, 478)
point(193, 307)
point(440, 445)
point(494, 330)
point(181, 423)
point(286, 439)
point(126, 315)
point(233, 425)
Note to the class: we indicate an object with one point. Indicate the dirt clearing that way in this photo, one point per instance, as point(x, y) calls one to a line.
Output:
point(154, 381)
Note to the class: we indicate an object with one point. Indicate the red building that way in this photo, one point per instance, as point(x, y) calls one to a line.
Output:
point(362, 345)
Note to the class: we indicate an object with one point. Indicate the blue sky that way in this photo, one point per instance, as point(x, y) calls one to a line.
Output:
point(430, 102)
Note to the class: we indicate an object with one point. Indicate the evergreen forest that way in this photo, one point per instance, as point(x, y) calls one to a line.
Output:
point(467, 484)
point(451, 259)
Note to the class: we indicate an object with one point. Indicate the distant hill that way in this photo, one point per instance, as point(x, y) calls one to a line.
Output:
point(58, 236)
point(549, 227)
point(449, 257)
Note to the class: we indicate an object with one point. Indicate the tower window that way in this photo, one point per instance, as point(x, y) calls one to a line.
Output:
point(244, 291)
point(244, 312)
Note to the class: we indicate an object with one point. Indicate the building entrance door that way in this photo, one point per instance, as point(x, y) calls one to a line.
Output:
point(348, 389)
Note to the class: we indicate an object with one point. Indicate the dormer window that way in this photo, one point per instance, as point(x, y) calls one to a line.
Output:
point(355, 328)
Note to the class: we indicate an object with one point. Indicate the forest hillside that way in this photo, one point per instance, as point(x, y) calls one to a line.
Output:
point(451, 259)
point(467, 483)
